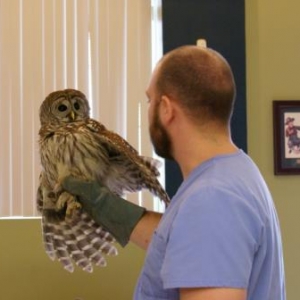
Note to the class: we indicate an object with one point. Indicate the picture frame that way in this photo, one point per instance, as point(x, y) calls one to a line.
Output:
point(286, 126)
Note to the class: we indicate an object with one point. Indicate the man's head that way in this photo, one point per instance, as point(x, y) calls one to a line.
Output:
point(200, 81)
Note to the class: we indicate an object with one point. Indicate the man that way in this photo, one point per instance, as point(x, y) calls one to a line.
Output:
point(219, 237)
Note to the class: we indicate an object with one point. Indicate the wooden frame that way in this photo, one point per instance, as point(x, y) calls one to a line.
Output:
point(286, 124)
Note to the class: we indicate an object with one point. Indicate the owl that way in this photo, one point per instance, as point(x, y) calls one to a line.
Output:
point(71, 143)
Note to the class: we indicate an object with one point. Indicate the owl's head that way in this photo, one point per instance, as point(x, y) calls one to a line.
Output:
point(64, 106)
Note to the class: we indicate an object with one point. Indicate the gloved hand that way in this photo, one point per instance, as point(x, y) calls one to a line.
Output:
point(116, 215)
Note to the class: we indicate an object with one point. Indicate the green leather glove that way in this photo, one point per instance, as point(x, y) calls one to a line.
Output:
point(115, 214)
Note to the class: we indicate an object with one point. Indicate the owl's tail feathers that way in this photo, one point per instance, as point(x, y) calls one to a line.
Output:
point(92, 239)
point(96, 236)
point(48, 239)
point(55, 245)
point(79, 240)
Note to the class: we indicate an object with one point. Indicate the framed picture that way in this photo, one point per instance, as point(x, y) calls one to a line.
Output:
point(286, 124)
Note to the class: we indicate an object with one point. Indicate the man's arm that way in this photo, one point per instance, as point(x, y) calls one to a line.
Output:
point(213, 294)
point(143, 231)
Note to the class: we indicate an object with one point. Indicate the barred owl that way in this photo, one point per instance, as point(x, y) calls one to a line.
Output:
point(71, 143)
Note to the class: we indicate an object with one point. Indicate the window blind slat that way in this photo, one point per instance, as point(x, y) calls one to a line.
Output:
point(116, 69)
point(4, 105)
point(60, 44)
point(30, 97)
point(14, 40)
point(49, 44)
point(99, 58)
point(71, 40)
point(82, 41)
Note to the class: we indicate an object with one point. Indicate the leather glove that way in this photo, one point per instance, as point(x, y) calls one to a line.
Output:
point(117, 215)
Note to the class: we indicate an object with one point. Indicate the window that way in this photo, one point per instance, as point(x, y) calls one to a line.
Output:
point(101, 47)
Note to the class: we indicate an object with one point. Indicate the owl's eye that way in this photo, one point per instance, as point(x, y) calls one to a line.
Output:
point(76, 105)
point(62, 107)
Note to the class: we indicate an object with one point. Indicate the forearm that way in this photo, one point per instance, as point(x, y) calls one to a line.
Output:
point(143, 231)
point(213, 293)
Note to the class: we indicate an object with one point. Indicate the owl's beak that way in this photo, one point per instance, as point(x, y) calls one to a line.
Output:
point(72, 115)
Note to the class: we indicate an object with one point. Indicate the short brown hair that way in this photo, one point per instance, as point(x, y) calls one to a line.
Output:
point(201, 80)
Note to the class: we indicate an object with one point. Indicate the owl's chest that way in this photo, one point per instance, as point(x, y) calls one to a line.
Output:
point(72, 153)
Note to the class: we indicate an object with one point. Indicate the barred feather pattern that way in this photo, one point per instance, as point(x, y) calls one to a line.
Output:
point(71, 143)
point(77, 240)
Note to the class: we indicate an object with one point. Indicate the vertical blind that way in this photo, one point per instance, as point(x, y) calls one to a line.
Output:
point(101, 47)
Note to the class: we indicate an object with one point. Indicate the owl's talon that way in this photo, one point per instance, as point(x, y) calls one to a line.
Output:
point(69, 201)
point(72, 207)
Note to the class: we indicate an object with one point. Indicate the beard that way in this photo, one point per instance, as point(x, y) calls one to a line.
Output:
point(159, 137)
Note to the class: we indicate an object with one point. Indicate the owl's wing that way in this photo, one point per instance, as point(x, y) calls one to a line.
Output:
point(113, 139)
point(133, 171)
point(77, 240)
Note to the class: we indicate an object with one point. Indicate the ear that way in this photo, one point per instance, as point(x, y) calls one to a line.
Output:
point(167, 109)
